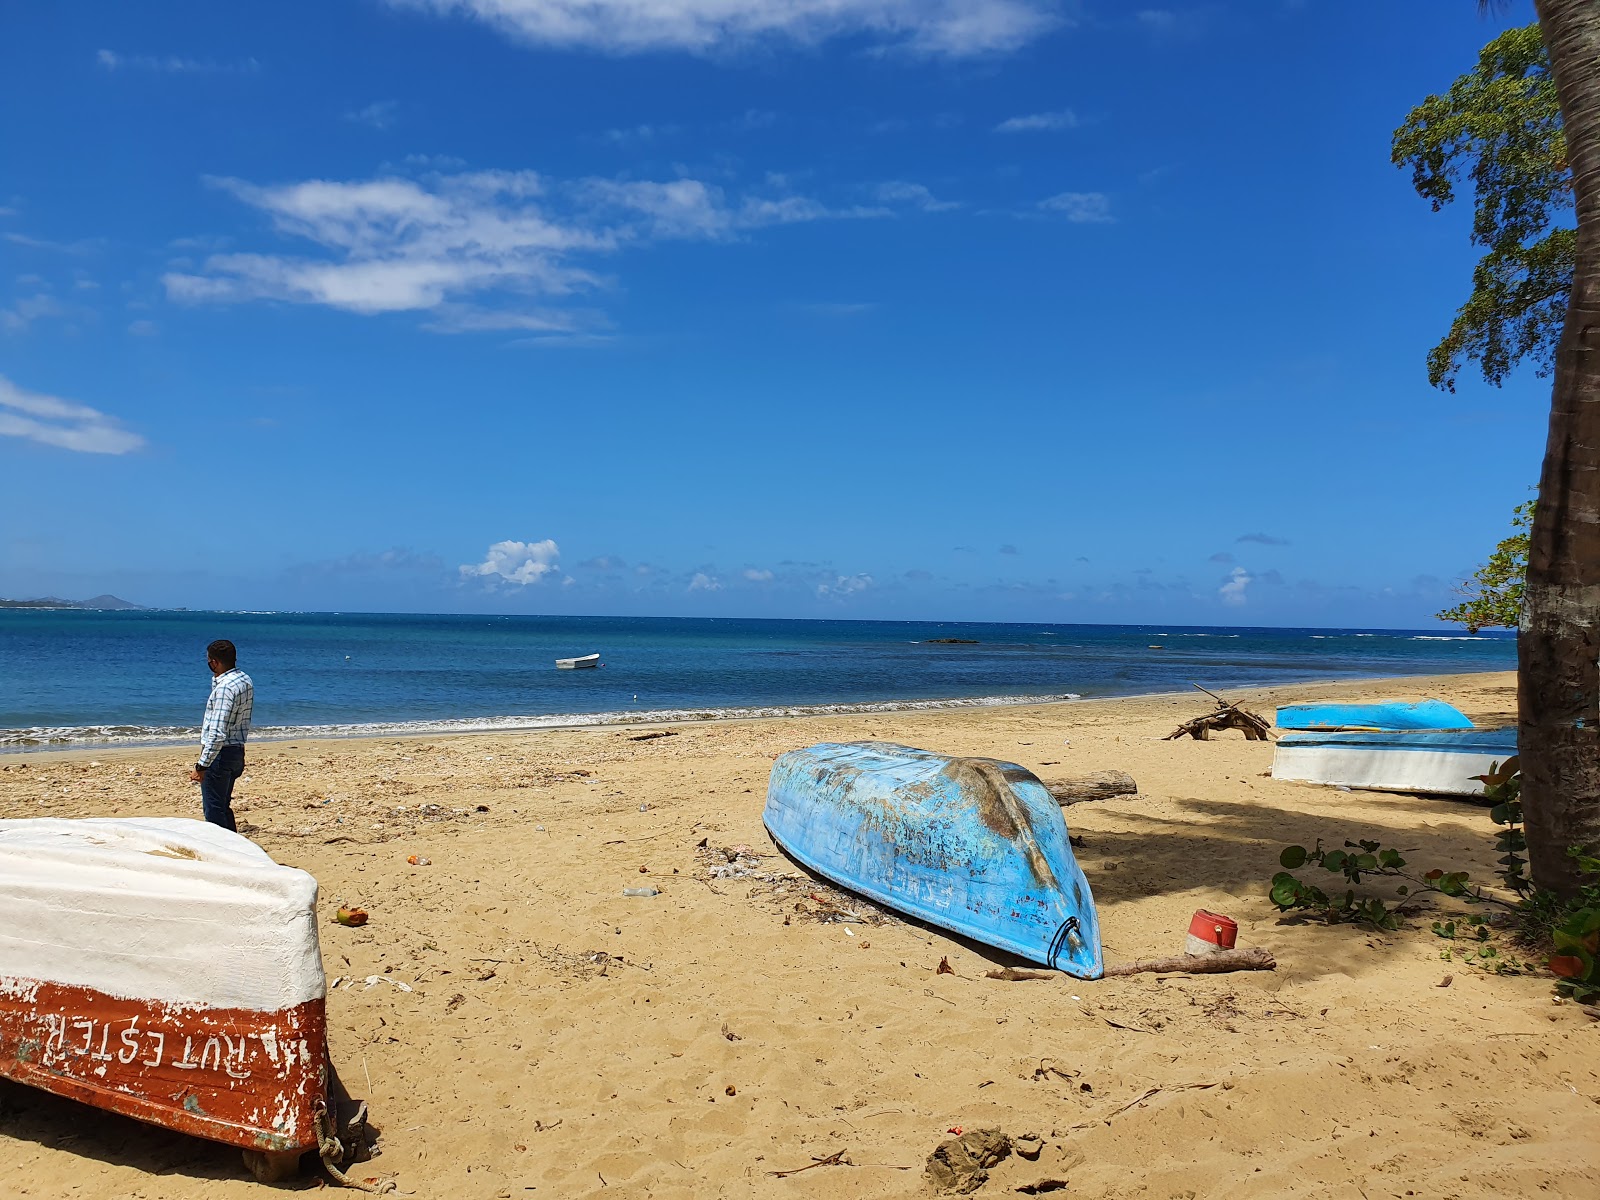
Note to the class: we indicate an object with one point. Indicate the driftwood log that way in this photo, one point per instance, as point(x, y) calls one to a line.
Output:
point(1253, 959)
point(1226, 716)
point(1102, 785)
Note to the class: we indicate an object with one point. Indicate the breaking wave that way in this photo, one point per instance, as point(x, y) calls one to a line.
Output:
point(68, 737)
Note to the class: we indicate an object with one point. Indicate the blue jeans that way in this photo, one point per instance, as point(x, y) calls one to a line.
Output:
point(216, 786)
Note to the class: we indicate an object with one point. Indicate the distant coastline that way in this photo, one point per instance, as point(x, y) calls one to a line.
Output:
point(93, 604)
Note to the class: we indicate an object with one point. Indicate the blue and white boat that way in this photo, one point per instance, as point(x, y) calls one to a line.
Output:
point(972, 845)
point(1395, 761)
point(1389, 714)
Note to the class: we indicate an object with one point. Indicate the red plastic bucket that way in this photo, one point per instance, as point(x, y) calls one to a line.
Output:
point(1210, 932)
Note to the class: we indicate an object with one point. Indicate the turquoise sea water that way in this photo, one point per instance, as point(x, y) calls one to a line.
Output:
point(84, 678)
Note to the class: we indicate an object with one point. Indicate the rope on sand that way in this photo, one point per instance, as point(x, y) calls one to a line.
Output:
point(331, 1151)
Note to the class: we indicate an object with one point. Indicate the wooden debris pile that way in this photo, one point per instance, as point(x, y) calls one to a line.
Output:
point(1226, 716)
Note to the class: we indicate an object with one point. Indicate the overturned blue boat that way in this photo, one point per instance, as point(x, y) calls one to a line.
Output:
point(1387, 715)
point(973, 845)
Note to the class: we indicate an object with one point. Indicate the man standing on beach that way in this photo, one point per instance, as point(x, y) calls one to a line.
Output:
point(223, 734)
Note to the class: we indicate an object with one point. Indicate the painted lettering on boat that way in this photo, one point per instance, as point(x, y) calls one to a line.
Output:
point(237, 1057)
point(248, 1078)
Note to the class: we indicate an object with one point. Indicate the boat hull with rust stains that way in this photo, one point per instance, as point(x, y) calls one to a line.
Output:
point(167, 970)
point(973, 845)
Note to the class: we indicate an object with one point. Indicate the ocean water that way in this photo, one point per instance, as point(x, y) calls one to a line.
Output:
point(86, 678)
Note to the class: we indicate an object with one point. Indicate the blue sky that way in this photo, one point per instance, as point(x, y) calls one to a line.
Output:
point(969, 309)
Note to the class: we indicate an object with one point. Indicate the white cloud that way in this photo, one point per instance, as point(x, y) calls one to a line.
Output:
point(143, 328)
point(173, 64)
point(61, 423)
point(395, 245)
point(379, 114)
point(705, 583)
point(845, 585)
point(520, 563)
point(914, 195)
point(758, 576)
point(1039, 122)
point(1084, 208)
point(1232, 591)
point(928, 28)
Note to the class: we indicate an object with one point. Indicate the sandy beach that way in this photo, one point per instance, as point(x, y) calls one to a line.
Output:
point(555, 1038)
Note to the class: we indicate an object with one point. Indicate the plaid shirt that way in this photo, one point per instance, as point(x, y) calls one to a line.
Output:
point(228, 710)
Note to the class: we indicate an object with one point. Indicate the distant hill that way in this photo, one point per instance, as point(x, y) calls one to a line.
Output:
point(98, 603)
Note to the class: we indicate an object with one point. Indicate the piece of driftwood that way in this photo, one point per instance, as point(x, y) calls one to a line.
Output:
point(1014, 974)
point(1227, 715)
point(1253, 959)
point(1102, 785)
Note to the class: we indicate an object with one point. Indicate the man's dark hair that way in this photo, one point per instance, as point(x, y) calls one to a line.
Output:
point(223, 652)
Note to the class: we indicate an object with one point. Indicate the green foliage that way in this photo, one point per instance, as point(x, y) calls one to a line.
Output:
point(1494, 595)
point(1568, 930)
point(1499, 126)
point(1354, 862)
point(1577, 958)
point(1502, 786)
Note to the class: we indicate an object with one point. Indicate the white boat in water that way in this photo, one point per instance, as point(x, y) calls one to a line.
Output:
point(1395, 761)
point(574, 664)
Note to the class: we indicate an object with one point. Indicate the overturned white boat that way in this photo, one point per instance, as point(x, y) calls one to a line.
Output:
point(168, 970)
point(1395, 761)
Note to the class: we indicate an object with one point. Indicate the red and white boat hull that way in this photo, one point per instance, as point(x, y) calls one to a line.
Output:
point(166, 970)
point(250, 1079)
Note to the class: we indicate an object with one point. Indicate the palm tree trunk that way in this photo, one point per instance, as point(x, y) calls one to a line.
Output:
point(1559, 642)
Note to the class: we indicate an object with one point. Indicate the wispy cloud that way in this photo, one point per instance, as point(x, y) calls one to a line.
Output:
point(1222, 556)
point(435, 162)
point(840, 308)
point(174, 64)
point(1233, 588)
point(404, 245)
point(511, 562)
point(396, 559)
point(81, 246)
point(25, 311)
point(755, 575)
point(912, 195)
point(1083, 208)
point(61, 423)
point(845, 585)
point(925, 28)
point(1262, 539)
point(380, 114)
point(1043, 122)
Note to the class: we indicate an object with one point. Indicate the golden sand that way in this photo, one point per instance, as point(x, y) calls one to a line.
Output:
point(560, 1039)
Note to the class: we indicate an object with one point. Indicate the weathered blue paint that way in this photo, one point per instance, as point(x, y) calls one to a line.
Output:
point(1477, 741)
point(1424, 714)
point(974, 845)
